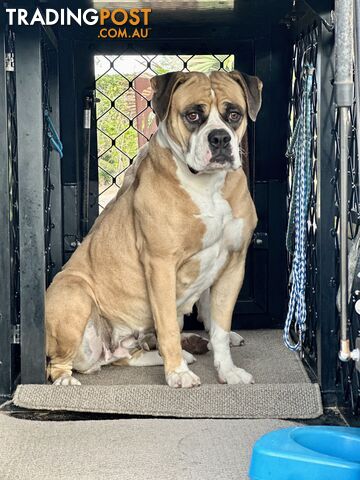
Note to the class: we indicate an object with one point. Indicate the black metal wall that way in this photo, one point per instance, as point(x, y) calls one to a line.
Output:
point(9, 216)
point(31, 243)
point(313, 44)
point(348, 378)
point(340, 381)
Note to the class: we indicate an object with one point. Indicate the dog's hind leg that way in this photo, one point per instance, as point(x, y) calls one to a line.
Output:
point(144, 358)
point(191, 342)
point(68, 308)
point(194, 343)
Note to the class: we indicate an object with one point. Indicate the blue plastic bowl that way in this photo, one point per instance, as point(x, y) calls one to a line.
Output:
point(307, 453)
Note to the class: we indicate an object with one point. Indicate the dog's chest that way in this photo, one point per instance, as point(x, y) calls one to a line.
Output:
point(223, 234)
point(223, 231)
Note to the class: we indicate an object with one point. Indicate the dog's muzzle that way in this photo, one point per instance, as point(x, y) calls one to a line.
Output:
point(220, 146)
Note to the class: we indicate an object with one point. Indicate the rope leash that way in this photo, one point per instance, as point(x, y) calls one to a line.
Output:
point(300, 150)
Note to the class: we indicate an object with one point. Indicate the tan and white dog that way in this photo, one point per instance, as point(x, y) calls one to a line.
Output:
point(177, 233)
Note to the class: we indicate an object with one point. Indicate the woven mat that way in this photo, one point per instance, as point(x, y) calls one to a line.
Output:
point(282, 388)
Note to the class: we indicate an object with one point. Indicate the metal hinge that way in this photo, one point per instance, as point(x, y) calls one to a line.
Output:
point(10, 62)
point(15, 334)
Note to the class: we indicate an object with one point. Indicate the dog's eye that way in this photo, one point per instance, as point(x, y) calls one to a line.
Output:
point(234, 116)
point(192, 117)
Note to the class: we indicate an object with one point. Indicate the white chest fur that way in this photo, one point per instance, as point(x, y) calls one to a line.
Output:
point(223, 234)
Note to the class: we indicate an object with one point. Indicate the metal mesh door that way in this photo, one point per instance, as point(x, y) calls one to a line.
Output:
point(348, 376)
point(305, 53)
point(125, 120)
point(13, 194)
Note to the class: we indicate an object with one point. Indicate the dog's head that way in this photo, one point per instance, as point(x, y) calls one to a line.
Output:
point(202, 118)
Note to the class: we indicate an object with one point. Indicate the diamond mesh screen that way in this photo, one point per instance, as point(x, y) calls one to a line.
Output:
point(305, 53)
point(13, 179)
point(348, 379)
point(125, 120)
point(48, 187)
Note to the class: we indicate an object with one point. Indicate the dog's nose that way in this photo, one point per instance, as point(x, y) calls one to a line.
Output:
point(219, 138)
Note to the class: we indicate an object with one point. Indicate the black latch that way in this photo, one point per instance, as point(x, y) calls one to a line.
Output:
point(260, 240)
point(15, 334)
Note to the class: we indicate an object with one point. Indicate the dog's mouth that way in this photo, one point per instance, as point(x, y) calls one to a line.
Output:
point(192, 170)
point(217, 162)
point(220, 159)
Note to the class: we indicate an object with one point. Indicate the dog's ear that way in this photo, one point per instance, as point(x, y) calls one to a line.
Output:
point(252, 87)
point(164, 87)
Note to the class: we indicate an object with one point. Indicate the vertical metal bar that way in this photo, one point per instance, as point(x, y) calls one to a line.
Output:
point(31, 203)
point(344, 132)
point(70, 138)
point(85, 83)
point(55, 168)
point(326, 289)
point(357, 74)
point(5, 267)
point(86, 165)
point(344, 98)
point(343, 53)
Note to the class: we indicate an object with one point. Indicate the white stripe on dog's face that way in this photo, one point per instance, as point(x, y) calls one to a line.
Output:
point(200, 129)
point(200, 155)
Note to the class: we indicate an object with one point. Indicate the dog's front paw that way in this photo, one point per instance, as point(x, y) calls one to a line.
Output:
point(236, 340)
point(235, 375)
point(182, 377)
point(66, 380)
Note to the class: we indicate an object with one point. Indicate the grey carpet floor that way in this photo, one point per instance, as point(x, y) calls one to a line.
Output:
point(145, 449)
point(282, 388)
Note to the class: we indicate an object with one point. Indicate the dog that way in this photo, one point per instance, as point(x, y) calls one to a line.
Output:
point(176, 234)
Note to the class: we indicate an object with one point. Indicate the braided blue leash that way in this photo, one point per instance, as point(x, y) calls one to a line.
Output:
point(53, 135)
point(300, 148)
